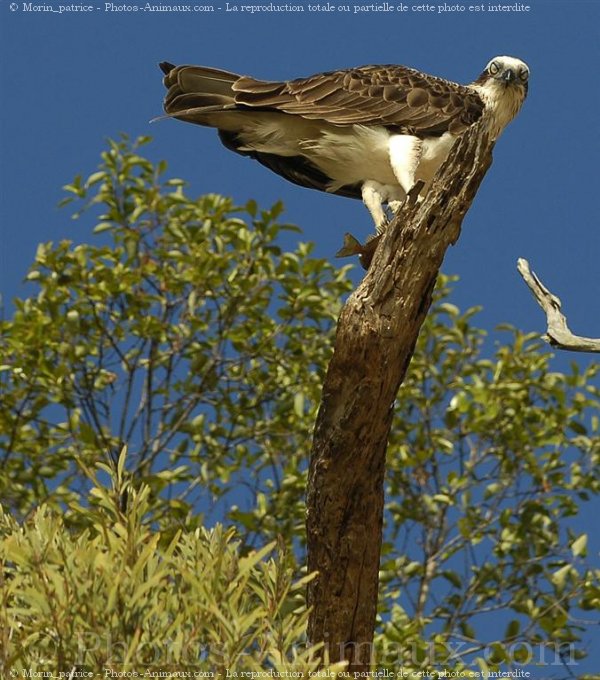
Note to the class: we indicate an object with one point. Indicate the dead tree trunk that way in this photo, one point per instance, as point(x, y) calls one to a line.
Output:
point(375, 340)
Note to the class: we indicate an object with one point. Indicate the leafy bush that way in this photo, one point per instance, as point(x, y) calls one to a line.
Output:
point(119, 595)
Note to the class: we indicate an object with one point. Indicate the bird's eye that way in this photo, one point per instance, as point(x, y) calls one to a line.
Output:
point(494, 68)
point(524, 74)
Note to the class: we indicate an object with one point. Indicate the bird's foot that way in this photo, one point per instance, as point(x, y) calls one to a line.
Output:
point(413, 196)
point(382, 225)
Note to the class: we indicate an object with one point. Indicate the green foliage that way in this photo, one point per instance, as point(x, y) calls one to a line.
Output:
point(119, 596)
point(188, 335)
point(489, 461)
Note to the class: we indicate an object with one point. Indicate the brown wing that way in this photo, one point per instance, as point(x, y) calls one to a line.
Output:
point(394, 96)
point(199, 94)
point(197, 88)
point(398, 97)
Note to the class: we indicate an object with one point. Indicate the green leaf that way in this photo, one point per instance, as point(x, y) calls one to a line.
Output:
point(103, 226)
point(559, 577)
point(513, 629)
point(299, 404)
point(483, 667)
point(579, 546)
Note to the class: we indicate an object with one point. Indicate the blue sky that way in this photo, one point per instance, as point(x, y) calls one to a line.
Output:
point(71, 80)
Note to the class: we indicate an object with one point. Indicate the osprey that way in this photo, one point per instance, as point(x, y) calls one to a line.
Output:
point(371, 132)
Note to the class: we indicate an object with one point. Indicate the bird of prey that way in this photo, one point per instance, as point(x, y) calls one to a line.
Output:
point(371, 132)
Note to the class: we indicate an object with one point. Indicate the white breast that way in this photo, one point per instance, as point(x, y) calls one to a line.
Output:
point(435, 151)
point(350, 155)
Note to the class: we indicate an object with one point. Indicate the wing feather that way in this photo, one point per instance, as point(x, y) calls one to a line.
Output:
point(397, 97)
point(386, 95)
point(296, 169)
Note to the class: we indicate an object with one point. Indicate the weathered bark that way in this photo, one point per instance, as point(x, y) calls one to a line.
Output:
point(375, 340)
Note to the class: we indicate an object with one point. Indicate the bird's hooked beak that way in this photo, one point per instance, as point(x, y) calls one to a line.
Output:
point(508, 76)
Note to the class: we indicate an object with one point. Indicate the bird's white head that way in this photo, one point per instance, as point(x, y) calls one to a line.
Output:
point(503, 87)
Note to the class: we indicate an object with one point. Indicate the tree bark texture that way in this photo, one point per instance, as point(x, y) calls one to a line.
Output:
point(375, 340)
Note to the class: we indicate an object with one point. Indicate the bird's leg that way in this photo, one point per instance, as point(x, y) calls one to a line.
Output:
point(405, 153)
point(394, 197)
point(373, 197)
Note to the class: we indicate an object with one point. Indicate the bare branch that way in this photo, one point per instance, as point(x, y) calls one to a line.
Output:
point(558, 333)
